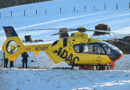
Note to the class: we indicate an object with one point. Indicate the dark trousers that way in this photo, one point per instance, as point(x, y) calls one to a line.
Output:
point(11, 64)
point(5, 63)
point(25, 64)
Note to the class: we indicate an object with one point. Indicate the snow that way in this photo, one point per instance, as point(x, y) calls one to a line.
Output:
point(40, 75)
point(26, 79)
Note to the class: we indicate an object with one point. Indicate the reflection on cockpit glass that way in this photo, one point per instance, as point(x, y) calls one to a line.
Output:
point(110, 49)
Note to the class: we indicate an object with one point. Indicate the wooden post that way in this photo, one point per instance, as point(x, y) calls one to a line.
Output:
point(94, 7)
point(24, 13)
point(45, 12)
point(104, 6)
point(129, 5)
point(36, 12)
point(85, 8)
point(0, 14)
point(74, 9)
point(11, 14)
point(60, 10)
point(116, 6)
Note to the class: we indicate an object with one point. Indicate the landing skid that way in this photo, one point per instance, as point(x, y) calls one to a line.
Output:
point(62, 68)
point(95, 67)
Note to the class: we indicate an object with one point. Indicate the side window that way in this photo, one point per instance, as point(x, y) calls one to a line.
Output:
point(76, 48)
point(90, 48)
point(107, 49)
point(84, 48)
point(54, 43)
point(98, 49)
point(79, 48)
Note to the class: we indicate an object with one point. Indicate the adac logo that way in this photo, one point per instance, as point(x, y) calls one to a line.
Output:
point(68, 57)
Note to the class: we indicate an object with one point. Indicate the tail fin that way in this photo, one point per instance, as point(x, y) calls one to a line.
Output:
point(13, 44)
point(9, 31)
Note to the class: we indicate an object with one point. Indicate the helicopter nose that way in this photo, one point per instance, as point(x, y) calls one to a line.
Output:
point(116, 56)
point(119, 55)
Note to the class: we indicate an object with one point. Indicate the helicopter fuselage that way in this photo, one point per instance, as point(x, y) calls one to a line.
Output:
point(79, 49)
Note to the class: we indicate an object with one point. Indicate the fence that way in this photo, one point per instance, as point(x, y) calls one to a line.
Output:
point(60, 11)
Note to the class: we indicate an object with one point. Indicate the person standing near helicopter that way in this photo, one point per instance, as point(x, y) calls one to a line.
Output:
point(5, 60)
point(11, 64)
point(25, 59)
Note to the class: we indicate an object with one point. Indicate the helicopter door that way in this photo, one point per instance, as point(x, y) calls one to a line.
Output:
point(98, 49)
point(85, 53)
point(100, 52)
point(96, 52)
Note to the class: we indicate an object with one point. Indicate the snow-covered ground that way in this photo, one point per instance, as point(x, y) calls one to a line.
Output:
point(74, 13)
point(43, 79)
point(58, 79)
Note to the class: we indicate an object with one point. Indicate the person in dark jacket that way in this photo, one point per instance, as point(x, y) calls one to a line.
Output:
point(5, 60)
point(25, 59)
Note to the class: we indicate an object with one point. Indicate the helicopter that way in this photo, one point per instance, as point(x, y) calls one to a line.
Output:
point(78, 49)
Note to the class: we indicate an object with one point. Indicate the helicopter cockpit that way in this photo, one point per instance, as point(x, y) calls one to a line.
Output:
point(101, 48)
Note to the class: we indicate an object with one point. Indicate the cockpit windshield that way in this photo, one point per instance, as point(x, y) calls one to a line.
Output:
point(110, 49)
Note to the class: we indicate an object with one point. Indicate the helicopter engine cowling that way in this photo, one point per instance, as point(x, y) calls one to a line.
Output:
point(63, 33)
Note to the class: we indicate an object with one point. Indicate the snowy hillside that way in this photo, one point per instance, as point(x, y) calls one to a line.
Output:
point(70, 14)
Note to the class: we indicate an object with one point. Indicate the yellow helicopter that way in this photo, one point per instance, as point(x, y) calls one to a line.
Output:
point(76, 50)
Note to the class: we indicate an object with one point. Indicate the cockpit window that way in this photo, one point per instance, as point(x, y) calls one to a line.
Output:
point(89, 48)
point(54, 43)
point(110, 49)
point(109, 45)
point(98, 49)
point(79, 48)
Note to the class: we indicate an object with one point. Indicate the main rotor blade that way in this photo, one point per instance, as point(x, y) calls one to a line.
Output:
point(69, 30)
point(41, 29)
point(98, 30)
point(55, 34)
point(88, 30)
